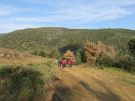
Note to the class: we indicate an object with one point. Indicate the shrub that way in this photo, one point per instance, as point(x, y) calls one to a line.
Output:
point(83, 57)
point(99, 53)
point(42, 53)
point(131, 45)
point(106, 61)
point(19, 83)
point(78, 58)
point(126, 62)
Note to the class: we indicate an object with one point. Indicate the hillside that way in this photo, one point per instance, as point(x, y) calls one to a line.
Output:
point(1, 35)
point(8, 56)
point(49, 38)
point(8, 53)
point(26, 78)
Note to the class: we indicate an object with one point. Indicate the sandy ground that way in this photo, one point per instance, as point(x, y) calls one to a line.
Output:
point(84, 84)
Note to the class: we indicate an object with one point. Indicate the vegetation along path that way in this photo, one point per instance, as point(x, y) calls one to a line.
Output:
point(84, 84)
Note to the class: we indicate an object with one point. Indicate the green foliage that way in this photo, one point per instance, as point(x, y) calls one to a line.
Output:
point(78, 58)
point(39, 53)
point(42, 53)
point(72, 47)
point(126, 62)
point(106, 61)
point(83, 57)
point(21, 83)
point(132, 82)
point(35, 52)
point(49, 38)
point(55, 54)
point(131, 45)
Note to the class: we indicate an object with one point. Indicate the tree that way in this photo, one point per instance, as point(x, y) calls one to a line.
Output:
point(97, 52)
point(69, 54)
point(131, 45)
point(91, 51)
point(54, 54)
point(111, 51)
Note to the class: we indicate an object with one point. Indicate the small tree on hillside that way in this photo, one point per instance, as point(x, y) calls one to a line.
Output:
point(101, 48)
point(111, 51)
point(42, 53)
point(54, 54)
point(91, 52)
point(69, 54)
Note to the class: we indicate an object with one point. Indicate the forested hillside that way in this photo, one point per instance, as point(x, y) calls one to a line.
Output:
point(1, 35)
point(49, 38)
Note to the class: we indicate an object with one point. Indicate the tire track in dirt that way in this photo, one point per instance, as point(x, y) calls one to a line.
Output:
point(84, 84)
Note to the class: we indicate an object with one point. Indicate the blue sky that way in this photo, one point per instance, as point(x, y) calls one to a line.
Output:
point(85, 14)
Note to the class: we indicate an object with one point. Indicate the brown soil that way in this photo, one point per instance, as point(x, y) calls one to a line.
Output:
point(84, 84)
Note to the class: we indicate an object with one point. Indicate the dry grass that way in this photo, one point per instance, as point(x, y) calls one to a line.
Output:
point(8, 53)
point(26, 80)
point(8, 56)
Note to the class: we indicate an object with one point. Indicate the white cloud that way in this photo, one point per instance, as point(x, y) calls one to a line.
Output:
point(6, 10)
point(60, 11)
point(3, 13)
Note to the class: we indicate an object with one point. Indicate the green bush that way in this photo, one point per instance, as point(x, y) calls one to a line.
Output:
point(42, 53)
point(131, 45)
point(126, 62)
point(78, 58)
point(22, 84)
point(106, 61)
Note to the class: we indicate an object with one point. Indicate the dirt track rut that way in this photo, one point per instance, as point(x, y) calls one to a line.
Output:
point(84, 84)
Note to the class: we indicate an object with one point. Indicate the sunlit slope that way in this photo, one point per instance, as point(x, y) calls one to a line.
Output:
point(48, 38)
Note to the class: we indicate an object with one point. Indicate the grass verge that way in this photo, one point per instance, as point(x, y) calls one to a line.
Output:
point(120, 75)
point(114, 73)
point(123, 80)
point(31, 82)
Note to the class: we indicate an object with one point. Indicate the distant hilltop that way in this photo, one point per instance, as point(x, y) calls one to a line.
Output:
point(49, 38)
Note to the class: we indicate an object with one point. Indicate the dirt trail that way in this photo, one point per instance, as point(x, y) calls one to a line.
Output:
point(84, 84)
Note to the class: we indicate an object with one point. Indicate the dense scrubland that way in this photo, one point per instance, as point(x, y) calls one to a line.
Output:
point(61, 39)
